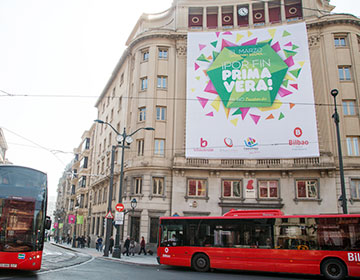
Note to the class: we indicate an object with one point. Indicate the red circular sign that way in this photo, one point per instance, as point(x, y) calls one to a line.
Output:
point(119, 207)
point(297, 132)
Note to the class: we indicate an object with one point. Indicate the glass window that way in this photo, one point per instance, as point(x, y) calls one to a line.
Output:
point(142, 114)
point(268, 189)
point(344, 73)
point(159, 147)
point(355, 188)
point(340, 41)
point(349, 108)
point(162, 82)
point(307, 189)
point(160, 113)
point(144, 83)
point(138, 186)
point(352, 146)
point(145, 55)
point(158, 186)
point(172, 235)
point(196, 188)
point(163, 53)
point(231, 188)
point(140, 147)
point(154, 230)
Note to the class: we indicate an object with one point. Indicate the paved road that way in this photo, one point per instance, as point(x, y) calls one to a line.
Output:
point(63, 264)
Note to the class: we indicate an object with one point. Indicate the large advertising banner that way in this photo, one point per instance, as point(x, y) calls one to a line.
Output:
point(250, 94)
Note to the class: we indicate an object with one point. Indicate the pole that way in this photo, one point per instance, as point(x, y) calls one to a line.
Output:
point(74, 233)
point(335, 116)
point(108, 221)
point(117, 248)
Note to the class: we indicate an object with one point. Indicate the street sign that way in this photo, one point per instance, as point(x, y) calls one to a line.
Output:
point(119, 218)
point(109, 215)
point(119, 207)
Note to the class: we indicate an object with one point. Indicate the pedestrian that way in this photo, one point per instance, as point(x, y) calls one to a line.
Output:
point(88, 241)
point(142, 246)
point(126, 246)
point(99, 244)
point(132, 246)
point(111, 245)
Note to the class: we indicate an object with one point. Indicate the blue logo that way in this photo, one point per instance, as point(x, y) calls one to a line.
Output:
point(250, 142)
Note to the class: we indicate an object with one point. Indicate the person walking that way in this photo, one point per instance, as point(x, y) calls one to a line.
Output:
point(126, 246)
point(111, 245)
point(142, 246)
point(88, 241)
point(99, 244)
point(132, 246)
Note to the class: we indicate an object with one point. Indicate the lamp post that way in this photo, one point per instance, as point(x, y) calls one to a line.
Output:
point(335, 116)
point(121, 138)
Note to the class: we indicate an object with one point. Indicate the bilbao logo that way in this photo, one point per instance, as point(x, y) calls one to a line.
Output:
point(250, 142)
point(298, 132)
point(203, 143)
point(228, 142)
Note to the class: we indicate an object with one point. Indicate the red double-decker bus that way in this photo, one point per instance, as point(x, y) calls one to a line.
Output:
point(263, 240)
point(23, 200)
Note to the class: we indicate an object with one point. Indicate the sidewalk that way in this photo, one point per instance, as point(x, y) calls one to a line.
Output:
point(137, 259)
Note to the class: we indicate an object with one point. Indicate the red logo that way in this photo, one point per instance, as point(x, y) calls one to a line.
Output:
point(297, 132)
point(203, 143)
point(228, 142)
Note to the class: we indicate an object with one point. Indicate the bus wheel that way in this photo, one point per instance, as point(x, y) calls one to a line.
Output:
point(201, 263)
point(333, 269)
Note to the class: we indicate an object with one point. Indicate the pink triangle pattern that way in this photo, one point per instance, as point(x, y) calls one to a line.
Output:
point(217, 34)
point(284, 92)
point(226, 43)
point(196, 66)
point(227, 33)
point(251, 42)
point(294, 86)
point(203, 101)
point(201, 46)
point(211, 114)
point(276, 47)
point(255, 118)
point(210, 88)
point(289, 61)
point(289, 44)
point(244, 112)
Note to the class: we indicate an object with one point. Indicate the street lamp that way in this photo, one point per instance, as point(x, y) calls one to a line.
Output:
point(121, 138)
point(335, 116)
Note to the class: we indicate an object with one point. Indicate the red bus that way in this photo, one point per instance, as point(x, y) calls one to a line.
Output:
point(23, 201)
point(263, 240)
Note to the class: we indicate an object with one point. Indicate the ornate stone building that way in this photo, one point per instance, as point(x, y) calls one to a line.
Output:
point(148, 89)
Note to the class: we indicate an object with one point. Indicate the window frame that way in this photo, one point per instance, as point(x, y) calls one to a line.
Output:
point(307, 197)
point(268, 187)
point(159, 147)
point(140, 147)
point(145, 54)
point(352, 146)
point(343, 70)
point(163, 53)
point(157, 180)
point(231, 196)
point(160, 113)
point(143, 83)
point(349, 107)
point(162, 82)
point(355, 197)
point(338, 38)
point(142, 114)
point(138, 186)
point(197, 180)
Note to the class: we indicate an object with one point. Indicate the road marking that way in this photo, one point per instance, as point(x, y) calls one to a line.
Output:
point(65, 268)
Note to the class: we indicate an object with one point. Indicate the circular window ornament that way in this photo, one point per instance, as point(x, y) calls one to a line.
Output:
point(195, 20)
point(243, 11)
point(227, 19)
point(258, 15)
point(292, 11)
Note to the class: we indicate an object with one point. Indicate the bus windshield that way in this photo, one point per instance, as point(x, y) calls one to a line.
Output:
point(22, 209)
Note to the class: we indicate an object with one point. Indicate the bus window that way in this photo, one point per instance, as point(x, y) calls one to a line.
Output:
point(172, 235)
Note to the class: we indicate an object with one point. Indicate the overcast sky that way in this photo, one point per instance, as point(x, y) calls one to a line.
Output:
point(57, 48)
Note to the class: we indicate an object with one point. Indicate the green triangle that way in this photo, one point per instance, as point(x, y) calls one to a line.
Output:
point(294, 47)
point(214, 43)
point(237, 112)
point(285, 83)
point(215, 54)
point(266, 42)
point(289, 53)
point(202, 57)
point(285, 33)
point(281, 116)
point(295, 72)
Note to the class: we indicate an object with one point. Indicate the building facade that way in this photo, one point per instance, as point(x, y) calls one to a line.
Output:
point(148, 88)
